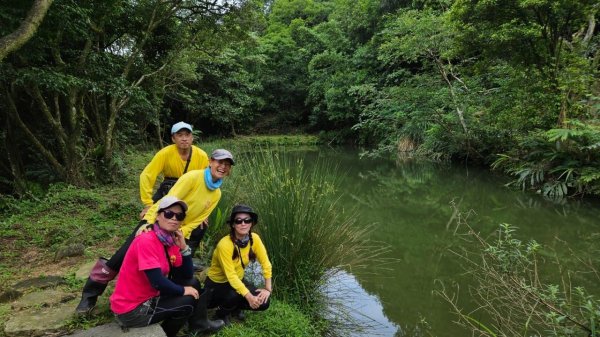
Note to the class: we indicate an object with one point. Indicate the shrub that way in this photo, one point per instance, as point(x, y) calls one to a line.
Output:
point(556, 163)
point(513, 295)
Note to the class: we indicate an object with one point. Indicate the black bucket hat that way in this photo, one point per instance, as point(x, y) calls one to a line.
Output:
point(241, 208)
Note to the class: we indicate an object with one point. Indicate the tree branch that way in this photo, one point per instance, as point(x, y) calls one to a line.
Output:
point(26, 30)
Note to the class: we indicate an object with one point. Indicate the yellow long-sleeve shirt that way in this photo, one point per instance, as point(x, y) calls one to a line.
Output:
point(201, 201)
point(223, 269)
point(168, 162)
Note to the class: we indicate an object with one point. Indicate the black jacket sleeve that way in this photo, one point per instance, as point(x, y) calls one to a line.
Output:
point(163, 284)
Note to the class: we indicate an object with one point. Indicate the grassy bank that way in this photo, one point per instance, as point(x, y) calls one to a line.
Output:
point(300, 224)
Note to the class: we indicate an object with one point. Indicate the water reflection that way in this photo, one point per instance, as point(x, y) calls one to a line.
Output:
point(410, 206)
point(362, 311)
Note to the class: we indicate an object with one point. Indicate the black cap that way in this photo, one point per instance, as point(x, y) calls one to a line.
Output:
point(241, 208)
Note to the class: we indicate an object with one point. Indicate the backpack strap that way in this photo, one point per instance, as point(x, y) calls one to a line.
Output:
point(188, 160)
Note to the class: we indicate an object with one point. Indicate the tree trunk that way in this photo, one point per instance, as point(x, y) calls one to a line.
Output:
point(459, 111)
point(28, 27)
point(13, 157)
point(14, 115)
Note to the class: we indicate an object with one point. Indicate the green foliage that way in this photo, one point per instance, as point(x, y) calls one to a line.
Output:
point(310, 11)
point(557, 162)
point(519, 30)
point(250, 142)
point(283, 78)
point(65, 215)
point(333, 106)
point(227, 92)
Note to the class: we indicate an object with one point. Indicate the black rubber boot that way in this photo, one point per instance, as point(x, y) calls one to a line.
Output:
point(95, 285)
point(199, 321)
point(89, 296)
point(224, 315)
point(239, 315)
point(172, 326)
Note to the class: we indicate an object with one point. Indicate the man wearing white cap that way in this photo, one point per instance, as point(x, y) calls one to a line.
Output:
point(172, 162)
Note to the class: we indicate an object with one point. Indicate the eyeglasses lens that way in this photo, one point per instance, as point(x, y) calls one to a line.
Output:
point(169, 215)
point(239, 221)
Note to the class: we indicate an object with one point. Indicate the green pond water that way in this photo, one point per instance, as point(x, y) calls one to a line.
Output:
point(410, 207)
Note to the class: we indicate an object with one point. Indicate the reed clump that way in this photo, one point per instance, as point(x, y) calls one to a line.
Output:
point(308, 236)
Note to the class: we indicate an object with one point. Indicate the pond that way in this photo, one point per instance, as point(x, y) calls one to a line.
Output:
point(410, 207)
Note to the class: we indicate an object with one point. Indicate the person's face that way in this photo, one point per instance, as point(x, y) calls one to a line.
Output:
point(242, 223)
point(183, 139)
point(167, 219)
point(219, 168)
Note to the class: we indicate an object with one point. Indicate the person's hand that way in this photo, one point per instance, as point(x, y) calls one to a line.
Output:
point(143, 229)
point(205, 223)
point(191, 291)
point(179, 239)
point(263, 295)
point(253, 301)
point(143, 212)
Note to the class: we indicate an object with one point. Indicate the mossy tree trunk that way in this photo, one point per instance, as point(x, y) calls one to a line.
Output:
point(26, 30)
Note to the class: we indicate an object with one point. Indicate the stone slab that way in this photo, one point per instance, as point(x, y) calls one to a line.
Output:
point(40, 282)
point(44, 298)
point(39, 321)
point(114, 330)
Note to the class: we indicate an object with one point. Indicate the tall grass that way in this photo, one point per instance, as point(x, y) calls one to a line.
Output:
point(309, 237)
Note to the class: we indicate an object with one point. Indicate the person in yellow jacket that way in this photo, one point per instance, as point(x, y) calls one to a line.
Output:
point(199, 189)
point(172, 162)
point(225, 278)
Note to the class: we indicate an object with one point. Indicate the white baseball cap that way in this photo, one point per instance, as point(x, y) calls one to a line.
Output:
point(181, 125)
point(169, 201)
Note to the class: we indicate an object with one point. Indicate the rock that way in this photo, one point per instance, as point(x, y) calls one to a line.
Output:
point(43, 298)
point(114, 330)
point(39, 321)
point(9, 295)
point(76, 249)
point(40, 282)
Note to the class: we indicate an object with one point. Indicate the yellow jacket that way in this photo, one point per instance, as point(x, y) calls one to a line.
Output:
point(168, 162)
point(201, 201)
point(224, 269)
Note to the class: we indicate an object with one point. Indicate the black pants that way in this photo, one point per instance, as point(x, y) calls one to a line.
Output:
point(173, 311)
point(116, 260)
point(228, 300)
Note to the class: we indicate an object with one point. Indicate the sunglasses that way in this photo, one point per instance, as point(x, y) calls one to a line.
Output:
point(169, 215)
point(239, 221)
